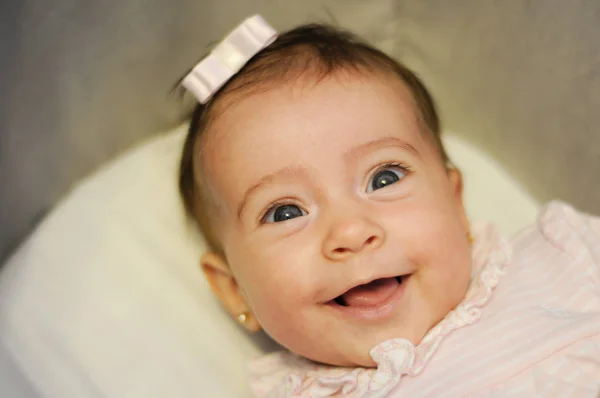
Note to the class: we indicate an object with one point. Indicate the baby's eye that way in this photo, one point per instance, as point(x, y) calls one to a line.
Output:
point(386, 176)
point(283, 213)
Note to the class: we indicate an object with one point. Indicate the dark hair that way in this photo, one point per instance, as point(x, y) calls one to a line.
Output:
point(315, 48)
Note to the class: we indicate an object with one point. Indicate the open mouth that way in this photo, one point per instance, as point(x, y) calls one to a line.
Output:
point(371, 296)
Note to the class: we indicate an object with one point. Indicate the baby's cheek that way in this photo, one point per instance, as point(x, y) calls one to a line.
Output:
point(277, 299)
point(278, 311)
point(449, 272)
point(441, 251)
point(269, 290)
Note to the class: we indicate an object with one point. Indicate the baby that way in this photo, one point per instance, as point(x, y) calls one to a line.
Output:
point(315, 169)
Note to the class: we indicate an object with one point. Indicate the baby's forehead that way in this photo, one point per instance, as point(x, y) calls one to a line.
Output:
point(253, 124)
point(335, 109)
point(288, 88)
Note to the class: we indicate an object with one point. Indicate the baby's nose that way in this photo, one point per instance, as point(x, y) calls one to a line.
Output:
point(351, 237)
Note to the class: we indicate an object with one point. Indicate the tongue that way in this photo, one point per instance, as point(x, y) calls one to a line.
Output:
point(371, 294)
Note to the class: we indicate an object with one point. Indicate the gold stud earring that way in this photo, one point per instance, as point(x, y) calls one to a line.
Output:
point(470, 238)
point(243, 317)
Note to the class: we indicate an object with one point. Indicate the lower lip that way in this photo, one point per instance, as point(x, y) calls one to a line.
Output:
point(380, 311)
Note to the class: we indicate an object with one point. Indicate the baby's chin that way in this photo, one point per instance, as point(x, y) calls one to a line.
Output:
point(352, 359)
point(358, 354)
point(348, 359)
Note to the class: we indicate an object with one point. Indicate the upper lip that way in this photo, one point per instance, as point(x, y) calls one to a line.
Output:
point(364, 282)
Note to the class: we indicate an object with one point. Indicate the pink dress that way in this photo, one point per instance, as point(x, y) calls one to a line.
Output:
point(528, 327)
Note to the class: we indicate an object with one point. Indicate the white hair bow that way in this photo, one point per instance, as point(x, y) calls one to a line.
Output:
point(228, 57)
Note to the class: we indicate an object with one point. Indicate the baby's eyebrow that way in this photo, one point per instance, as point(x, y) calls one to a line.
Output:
point(289, 171)
point(363, 149)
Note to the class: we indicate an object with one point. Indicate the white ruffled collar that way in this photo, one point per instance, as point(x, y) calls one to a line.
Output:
point(284, 374)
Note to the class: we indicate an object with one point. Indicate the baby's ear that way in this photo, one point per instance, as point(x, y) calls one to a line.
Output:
point(456, 184)
point(225, 287)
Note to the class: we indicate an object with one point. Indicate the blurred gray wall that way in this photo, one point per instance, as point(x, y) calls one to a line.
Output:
point(13, 383)
point(519, 78)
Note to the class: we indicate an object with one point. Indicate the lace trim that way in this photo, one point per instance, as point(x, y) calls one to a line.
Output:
point(286, 375)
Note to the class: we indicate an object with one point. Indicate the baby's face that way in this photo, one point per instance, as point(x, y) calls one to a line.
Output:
point(339, 221)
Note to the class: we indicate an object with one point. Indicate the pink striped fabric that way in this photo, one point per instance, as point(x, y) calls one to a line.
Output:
point(536, 335)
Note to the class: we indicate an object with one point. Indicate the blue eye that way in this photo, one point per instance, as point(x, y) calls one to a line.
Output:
point(387, 176)
point(283, 213)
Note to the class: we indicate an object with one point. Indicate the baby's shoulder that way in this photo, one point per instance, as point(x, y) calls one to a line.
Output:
point(574, 233)
point(561, 239)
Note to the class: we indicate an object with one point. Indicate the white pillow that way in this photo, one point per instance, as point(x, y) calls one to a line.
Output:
point(106, 298)
point(490, 193)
